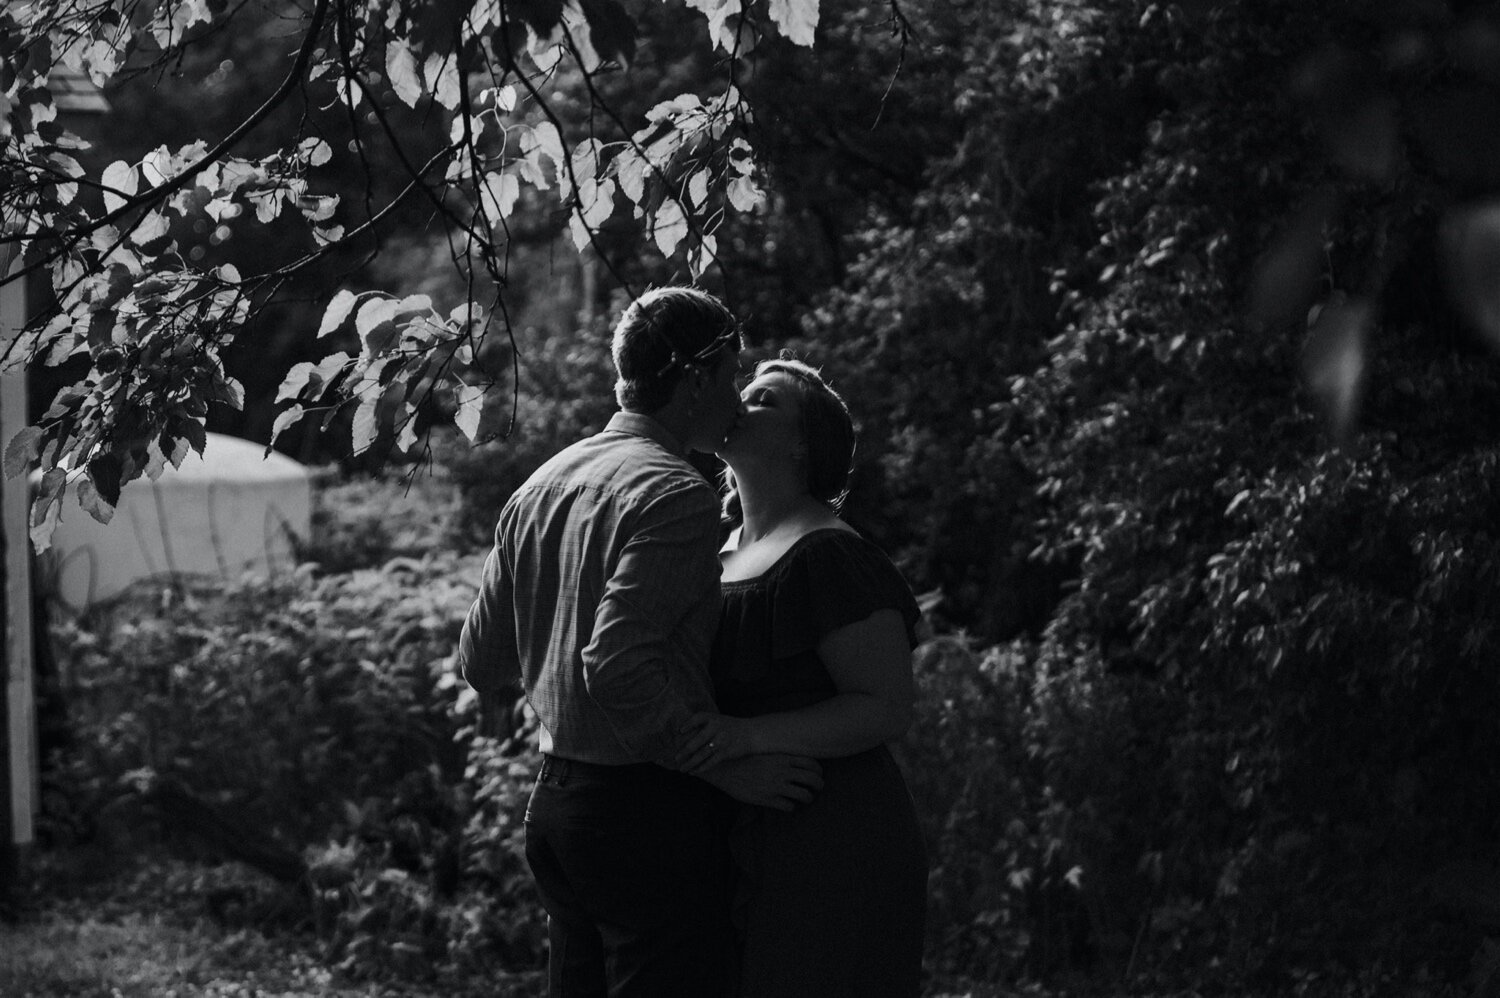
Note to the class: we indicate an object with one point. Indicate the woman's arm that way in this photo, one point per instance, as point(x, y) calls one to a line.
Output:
point(870, 663)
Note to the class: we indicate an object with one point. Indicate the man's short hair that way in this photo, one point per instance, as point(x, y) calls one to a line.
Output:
point(663, 333)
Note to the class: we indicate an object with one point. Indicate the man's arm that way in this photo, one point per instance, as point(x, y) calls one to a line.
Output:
point(668, 566)
point(487, 657)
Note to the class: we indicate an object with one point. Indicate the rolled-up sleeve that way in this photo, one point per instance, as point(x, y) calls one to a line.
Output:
point(666, 570)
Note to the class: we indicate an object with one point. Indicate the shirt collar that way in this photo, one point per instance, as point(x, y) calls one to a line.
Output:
point(640, 425)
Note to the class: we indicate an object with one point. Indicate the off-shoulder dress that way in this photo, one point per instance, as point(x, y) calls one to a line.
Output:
point(830, 897)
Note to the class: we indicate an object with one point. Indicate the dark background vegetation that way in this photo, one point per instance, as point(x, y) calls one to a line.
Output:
point(1209, 686)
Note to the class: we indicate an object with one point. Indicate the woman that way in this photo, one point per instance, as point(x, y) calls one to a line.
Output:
point(813, 658)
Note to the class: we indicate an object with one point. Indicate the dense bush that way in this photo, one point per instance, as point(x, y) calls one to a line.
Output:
point(312, 716)
point(1256, 697)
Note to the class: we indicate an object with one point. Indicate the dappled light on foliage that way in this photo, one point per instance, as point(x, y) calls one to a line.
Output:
point(470, 106)
point(1173, 336)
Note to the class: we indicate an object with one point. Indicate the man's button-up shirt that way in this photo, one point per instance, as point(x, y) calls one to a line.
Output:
point(601, 595)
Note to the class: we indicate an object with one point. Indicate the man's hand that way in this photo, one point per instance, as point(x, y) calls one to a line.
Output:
point(775, 781)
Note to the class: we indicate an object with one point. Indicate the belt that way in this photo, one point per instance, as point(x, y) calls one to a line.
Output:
point(557, 768)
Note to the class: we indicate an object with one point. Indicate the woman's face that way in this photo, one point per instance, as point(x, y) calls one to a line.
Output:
point(770, 423)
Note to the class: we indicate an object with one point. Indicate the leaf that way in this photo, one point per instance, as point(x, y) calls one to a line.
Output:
point(93, 503)
point(364, 426)
point(545, 139)
point(297, 380)
point(470, 410)
point(704, 256)
point(105, 473)
point(267, 205)
point(579, 231)
point(415, 303)
point(315, 151)
point(1469, 241)
point(717, 12)
point(220, 209)
point(630, 171)
point(51, 487)
point(547, 51)
point(22, 450)
point(120, 182)
point(230, 391)
point(44, 516)
point(337, 311)
point(285, 421)
point(797, 19)
point(741, 157)
point(157, 166)
point(499, 192)
point(156, 461)
point(407, 438)
point(668, 227)
point(744, 195)
point(194, 433)
point(596, 201)
point(153, 226)
point(480, 413)
point(318, 207)
point(1333, 361)
point(441, 74)
point(373, 314)
point(698, 189)
point(677, 107)
point(374, 324)
point(474, 124)
point(612, 29)
point(179, 450)
point(542, 140)
point(401, 70)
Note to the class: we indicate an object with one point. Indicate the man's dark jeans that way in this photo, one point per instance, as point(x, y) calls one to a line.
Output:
point(632, 865)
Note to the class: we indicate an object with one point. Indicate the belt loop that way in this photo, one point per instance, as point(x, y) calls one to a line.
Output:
point(554, 769)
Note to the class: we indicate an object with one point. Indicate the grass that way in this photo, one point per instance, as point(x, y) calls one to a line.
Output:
point(146, 955)
point(148, 931)
point(162, 928)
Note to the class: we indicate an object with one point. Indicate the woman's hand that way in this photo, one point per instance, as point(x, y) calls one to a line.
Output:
point(712, 739)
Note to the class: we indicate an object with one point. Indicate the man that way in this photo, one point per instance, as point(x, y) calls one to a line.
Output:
point(600, 599)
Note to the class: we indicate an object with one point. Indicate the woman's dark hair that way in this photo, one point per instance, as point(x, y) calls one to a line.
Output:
point(827, 430)
point(660, 335)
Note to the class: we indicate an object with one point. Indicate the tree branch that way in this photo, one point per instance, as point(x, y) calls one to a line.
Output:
point(166, 190)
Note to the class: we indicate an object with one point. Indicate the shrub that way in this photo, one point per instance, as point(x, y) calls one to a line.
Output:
point(364, 522)
point(1003, 899)
point(315, 717)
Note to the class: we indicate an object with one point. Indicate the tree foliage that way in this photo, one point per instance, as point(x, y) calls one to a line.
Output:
point(469, 105)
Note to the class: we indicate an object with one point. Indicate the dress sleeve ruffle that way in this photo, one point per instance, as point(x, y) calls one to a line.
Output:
point(828, 581)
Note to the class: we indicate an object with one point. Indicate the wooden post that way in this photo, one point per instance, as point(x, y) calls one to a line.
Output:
point(20, 771)
point(76, 99)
